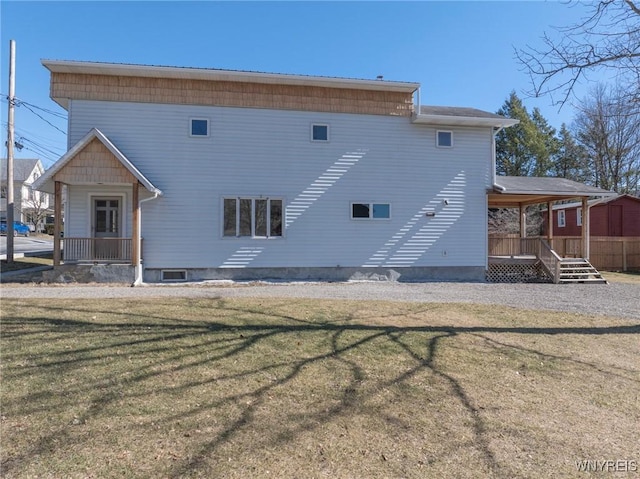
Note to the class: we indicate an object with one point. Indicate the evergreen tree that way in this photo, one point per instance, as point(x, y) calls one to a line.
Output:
point(545, 145)
point(571, 160)
point(525, 149)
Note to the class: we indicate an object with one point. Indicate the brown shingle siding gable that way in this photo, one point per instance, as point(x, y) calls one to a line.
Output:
point(234, 94)
point(94, 164)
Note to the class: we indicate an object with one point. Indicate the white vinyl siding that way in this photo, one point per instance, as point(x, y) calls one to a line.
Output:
point(267, 153)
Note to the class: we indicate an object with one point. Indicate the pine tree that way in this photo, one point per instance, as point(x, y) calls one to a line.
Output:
point(571, 160)
point(525, 149)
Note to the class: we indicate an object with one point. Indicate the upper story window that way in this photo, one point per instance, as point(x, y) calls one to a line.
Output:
point(376, 211)
point(319, 132)
point(199, 127)
point(444, 139)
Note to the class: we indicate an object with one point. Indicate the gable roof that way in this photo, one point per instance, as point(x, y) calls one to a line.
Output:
point(22, 168)
point(596, 202)
point(45, 182)
point(461, 116)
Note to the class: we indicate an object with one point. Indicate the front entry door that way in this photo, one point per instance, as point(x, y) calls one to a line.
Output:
point(107, 224)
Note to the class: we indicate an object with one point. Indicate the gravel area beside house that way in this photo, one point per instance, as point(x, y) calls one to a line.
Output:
point(616, 299)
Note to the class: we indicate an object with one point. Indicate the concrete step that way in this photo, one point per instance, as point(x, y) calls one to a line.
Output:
point(584, 280)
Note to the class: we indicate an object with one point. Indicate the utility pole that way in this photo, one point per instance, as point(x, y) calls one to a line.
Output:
point(10, 140)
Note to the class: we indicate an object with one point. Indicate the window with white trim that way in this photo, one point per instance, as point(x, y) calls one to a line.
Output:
point(319, 132)
point(579, 217)
point(370, 211)
point(199, 127)
point(561, 219)
point(252, 217)
point(444, 139)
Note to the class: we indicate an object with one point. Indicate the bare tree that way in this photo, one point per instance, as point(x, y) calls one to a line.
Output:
point(609, 129)
point(608, 38)
point(36, 208)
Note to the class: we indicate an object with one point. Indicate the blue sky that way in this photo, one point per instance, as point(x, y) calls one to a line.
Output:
point(461, 52)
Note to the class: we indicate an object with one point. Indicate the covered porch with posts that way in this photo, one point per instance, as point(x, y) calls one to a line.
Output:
point(523, 258)
point(100, 191)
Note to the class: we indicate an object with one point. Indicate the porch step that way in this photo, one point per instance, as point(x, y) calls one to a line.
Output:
point(579, 270)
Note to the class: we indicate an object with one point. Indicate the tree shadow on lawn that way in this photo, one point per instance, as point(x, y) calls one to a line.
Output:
point(259, 382)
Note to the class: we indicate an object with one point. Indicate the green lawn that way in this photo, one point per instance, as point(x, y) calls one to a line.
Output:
point(169, 388)
point(26, 262)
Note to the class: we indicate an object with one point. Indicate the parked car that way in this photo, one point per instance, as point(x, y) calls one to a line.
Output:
point(18, 228)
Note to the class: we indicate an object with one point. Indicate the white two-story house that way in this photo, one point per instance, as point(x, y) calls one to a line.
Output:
point(30, 206)
point(190, 174)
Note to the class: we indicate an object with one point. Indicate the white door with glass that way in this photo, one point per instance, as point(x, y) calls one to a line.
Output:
point(107, 223)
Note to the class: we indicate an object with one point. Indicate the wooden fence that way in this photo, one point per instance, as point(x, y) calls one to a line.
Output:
point(612, 253)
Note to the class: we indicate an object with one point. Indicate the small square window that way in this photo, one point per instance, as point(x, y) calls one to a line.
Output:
point(199, 127)
point(444, 139)
point(360, 210)
point(320, 132)
point(381, 210)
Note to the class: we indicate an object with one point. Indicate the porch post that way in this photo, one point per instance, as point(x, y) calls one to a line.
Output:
point(523, 221)
point(57, 222)
point(585, 227)
point(135, 240)
point(550, 223)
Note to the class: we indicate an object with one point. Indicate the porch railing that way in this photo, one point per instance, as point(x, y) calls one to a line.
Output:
point(550, 260)
point(97, 249)
point(513, 246)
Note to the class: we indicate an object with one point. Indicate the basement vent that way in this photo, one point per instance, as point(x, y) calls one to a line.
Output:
point(174, 275)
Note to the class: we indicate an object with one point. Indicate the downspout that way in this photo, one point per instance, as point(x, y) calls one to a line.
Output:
point(587, 214)
point(493, 155)
point(139, 268)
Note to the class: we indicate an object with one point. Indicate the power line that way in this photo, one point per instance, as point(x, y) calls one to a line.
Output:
point(41, 117)
point(45, 110)
point(31, 107)
point(43, 148)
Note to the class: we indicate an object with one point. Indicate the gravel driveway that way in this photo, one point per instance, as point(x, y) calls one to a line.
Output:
point(615, 299)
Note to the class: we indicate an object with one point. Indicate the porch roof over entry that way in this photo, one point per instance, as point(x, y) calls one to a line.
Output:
point(515, 191)
point(116, 159)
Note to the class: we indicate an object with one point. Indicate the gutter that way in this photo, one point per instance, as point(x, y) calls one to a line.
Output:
point(139, 268)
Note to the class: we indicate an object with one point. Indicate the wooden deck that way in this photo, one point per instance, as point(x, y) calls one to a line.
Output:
point(532, 260)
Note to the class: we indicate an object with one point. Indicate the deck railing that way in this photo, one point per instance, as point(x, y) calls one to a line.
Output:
point(513, 246)
point(97, 249)
point(550, 260)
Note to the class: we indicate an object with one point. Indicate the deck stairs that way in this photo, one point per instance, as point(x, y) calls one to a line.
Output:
point(578, 270)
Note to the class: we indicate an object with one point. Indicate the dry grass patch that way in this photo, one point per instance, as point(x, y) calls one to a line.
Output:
point(632, 277)
point(301, 388)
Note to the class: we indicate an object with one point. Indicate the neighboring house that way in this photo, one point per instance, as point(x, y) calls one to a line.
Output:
point(616, 216)
point(246, 175)
point(30, 206)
